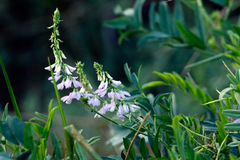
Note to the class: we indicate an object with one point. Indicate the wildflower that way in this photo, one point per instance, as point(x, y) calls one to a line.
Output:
point(133, 107)
point(76, 95)
point(68, 83)
point(101, 111)
point(57, 70)
point(60, 86)
point(117, 83)
point(120, 112)
point(56, 77)
point(87, 95)
point(67, 99)
point(72, 69)
point(94, 101)
point(112, 106)
point(236, 120)
point(111, 94)
point(102, 89)
point(49, 67)
point(125, 108)
point(77, 84)
point(69, 69)
point(123, 94)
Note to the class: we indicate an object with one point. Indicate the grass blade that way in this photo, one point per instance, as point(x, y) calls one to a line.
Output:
point(15, 106)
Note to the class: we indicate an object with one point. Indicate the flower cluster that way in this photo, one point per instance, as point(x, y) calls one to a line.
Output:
point(106, 96)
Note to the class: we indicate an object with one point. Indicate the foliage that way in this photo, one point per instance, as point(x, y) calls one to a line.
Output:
point(165, 134)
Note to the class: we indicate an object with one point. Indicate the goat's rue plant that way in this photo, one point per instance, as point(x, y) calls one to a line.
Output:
point(152, 120)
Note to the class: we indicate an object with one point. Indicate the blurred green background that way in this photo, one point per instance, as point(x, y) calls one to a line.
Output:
point(24, 47)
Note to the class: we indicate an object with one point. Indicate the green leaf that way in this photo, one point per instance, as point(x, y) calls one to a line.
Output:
point(80, 152)
point(56, 146)
point(15, 106)
point(138, 11)
point(189, 37)
point(221, 131)
point(48, 125)
point(152, 16)
point(93, 140)
point(190, 3)
point(232, 113)
point(156, 150)
point(36, 119)
point(38, 129)
point(5, 113)
point(139, 79)
point(28, 136)
point(132, 154)
point(143, 148)
point(178, 12)
point(234, 144)
point(159, 97)
point(12, 129)
point(200, 24)
point(128, 33)
point(165, 18)
point(120, 23)
point(152, 37)
point(178, 15)
point(220, 2)
point(232, 126)
point(135, 80)
point(236, 29)
point(153, 84)
point(128, 72)
point(177, 135)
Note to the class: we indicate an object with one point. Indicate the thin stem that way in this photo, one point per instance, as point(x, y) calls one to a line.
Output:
point(15, 105)
point(67, 136)
point(135, 136)
point(194, 132)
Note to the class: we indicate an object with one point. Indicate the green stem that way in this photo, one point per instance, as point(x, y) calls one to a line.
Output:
point(15, 106)
point(194, 132)
point(67, 136)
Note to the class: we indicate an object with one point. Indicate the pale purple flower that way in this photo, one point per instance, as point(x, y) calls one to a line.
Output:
point(112, 106)
point(76, 95)
point(125, 108)
point(87, 95)
point(67, 71)
point(101, 111)
point(123, 94)
point(48, 68)
point(133, 107)
point(117, 83)
point(111, 94)
point(68, 83)
point(94, 102)
point(102, 89)
point(101, 92)
point(67, 99)
point(57, 69)
point(120, 112)
point(57, 77)
point(60, 86)
point(236, 120)
point(77, 84)
point(117, 95)
point(72, 69)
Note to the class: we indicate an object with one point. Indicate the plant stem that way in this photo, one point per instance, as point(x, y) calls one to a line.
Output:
point(67, 136)
point(15, 106)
